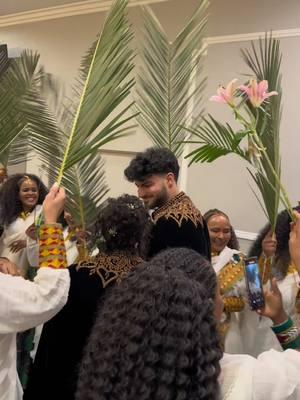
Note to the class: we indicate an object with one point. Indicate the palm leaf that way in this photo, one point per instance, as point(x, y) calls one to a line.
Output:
point(84, 183)
point(264, 61)
point(103, 85)
point(86, 188)
point(164, 83)
point(215, 140)
point(25, 122)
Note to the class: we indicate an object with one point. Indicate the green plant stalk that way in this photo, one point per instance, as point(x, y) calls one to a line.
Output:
point(62, 168)
point(83, 224)
point(285, 200)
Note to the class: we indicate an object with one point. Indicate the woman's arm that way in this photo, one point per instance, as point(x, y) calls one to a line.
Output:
point(24, 304)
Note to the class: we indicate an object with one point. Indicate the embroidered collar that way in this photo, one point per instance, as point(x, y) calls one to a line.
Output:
point(110, 267)
point(24, 214)
point(179, 208)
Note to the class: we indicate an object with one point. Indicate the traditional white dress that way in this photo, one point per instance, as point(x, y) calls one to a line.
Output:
point(228, 270)
point(16, 231)
point(272, 376)
point(23, 305)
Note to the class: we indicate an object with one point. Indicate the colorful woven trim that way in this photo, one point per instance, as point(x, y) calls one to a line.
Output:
point(287, 334)
point(52, 252)
point(233, 304)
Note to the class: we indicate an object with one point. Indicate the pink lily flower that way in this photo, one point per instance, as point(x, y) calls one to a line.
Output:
point(225, 95)
point(257, 92)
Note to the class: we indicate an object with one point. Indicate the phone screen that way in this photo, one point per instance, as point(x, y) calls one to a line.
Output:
point(254, 285)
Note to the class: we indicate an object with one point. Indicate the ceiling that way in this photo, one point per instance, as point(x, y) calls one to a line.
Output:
point(17, 6)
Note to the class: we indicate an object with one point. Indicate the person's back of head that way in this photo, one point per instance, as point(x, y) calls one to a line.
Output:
point(123, 223)
point(156, 337)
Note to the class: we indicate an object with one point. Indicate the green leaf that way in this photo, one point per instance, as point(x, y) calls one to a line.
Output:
point(165, 90)
point(25, 121)
point(215, 140)
point(104, 85)
point(264, 60)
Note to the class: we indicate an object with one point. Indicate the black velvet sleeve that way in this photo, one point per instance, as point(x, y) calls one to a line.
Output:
point(167, 233)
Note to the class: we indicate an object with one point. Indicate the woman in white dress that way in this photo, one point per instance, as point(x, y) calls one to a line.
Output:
point(21, 199)
point(227, 261)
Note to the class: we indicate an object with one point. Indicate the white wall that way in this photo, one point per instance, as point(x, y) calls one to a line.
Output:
point(224, 184)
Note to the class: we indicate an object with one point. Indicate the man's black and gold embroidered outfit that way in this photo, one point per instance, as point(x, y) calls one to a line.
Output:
point(178, 223)
point(55, 369)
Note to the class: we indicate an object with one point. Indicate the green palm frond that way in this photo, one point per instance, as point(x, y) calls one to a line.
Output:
point(104, 85)
point(264, 61)
point(215, 140)
point(25, 122)
point(86, 187)
point(164, 91)
point(84, 182)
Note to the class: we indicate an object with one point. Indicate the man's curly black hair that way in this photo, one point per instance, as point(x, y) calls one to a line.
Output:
point(282, 257)
point(10, 204)
point(153, 161)
point(124, 224)
point(156, 336)
point(233, 242)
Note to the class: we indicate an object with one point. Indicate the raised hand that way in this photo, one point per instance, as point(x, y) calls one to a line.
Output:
point(54, 204)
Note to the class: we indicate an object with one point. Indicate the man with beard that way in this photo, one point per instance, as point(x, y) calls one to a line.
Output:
point(176, 221)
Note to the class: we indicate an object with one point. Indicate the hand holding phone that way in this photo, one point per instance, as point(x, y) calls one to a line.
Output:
point(273, 308)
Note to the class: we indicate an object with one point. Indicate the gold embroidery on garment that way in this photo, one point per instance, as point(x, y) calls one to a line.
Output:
point(229, 275)
point(292, 270)
point(180, 208)
point(110, 268)
point(233, 304)
point(24, 215)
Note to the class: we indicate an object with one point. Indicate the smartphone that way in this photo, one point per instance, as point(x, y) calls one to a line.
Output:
point(254, 284)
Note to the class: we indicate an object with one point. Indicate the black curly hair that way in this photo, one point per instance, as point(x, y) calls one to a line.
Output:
point(153, 161)
point(124, 224)
point(156, 336)
point(10, 204)
point(282, 257)
point(233, 242)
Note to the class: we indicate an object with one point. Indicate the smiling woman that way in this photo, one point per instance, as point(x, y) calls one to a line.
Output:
point(21, 198)
point(228, 264)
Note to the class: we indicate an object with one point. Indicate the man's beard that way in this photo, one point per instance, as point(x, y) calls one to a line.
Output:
point(160, 200)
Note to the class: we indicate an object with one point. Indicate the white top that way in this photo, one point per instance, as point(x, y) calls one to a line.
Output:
point(16, 231)
point(23, 305)
point(272, 376)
